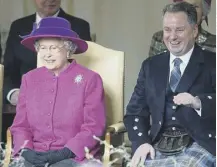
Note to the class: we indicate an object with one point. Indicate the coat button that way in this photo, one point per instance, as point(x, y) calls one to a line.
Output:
point(209, 97)
point(139, 134)
point(173, 118)
point(173, 128)
point(135, 127)
point(173, 107)
point(159, 122)
point(210, 135)
point(49, 114)
point(136, 120)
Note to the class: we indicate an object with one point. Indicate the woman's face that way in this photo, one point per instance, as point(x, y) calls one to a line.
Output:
point(52, 54)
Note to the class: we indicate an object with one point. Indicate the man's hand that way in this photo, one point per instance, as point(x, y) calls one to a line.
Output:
point(14, 97)
point(141, 153)
point(188, 100)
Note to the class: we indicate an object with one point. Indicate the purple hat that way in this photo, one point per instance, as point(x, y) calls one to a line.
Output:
point(53, 27)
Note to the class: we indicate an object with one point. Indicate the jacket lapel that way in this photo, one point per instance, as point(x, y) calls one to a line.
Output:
point(192, 70)
point(160, 74)
point(61, 13)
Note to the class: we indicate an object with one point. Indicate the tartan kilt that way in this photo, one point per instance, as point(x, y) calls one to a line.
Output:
point(193, 156)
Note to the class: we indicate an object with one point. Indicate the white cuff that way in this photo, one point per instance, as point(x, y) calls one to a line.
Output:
point(10, 93)
point(198, 111)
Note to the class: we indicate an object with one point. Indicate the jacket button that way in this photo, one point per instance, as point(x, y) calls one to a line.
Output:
point(139, 134)
point(159, 122)
point(135, 127)
point(173, 118)
point(136, 120)
point(209, 97)
point(173, 107)
point(173, 128)
point(210, 135)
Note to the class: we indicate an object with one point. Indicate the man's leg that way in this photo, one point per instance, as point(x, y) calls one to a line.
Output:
point(194, 156)
point(198, 156)
point(160, 161)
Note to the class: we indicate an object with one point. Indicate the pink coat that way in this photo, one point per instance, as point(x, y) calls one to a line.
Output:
point(56, 112)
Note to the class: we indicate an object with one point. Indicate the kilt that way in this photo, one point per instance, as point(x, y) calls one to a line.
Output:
point(192, 156)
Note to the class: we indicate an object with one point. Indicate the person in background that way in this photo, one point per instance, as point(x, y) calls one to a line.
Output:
point(61, 104)
point(204, 39)
point(17, 59)
point(177, 89)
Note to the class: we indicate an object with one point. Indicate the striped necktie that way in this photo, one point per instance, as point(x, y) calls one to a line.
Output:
point(175, 74)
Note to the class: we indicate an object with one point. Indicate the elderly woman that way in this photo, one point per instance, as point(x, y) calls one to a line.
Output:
point(61, 105)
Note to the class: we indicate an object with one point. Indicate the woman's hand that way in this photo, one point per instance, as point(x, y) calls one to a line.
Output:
point(59, 155)
point(36, 158)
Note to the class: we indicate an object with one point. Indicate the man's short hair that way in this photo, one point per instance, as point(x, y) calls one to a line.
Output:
point(184, 7)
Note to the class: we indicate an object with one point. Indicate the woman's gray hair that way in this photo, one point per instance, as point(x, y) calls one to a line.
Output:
point(72, 47)
point(68, 44)
point(185, 7)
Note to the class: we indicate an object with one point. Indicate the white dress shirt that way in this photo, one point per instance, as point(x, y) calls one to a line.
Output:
point(185, 59)
point(38, 17)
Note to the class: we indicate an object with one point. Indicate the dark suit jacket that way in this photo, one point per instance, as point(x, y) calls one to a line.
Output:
point(199, 79)
point(18, 60)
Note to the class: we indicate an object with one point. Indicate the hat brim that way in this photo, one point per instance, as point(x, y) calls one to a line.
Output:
point(29, 42)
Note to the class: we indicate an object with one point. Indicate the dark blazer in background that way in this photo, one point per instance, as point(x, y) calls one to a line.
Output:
point(198, 79)
point(18, 60)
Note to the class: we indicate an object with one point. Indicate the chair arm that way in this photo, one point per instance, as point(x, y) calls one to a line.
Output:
point(116, 128)
point(8, 150)
point(112, 129)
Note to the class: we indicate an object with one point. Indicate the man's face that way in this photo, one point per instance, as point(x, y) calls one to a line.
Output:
point(47, 7)
point(178, 35)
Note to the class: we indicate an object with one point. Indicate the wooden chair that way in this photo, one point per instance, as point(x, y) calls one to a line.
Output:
point(110, 65)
